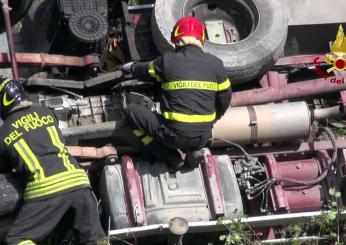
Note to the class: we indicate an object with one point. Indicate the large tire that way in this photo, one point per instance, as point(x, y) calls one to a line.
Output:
point(19, 9)
point(11, 194)
point(244, 60)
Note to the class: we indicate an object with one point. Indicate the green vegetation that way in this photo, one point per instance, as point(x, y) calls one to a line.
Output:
point(327, 225)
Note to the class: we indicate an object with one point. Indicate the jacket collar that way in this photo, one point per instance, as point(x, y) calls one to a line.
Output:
point(192, 48)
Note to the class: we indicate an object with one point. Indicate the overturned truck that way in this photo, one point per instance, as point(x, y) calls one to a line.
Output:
point(274, 156)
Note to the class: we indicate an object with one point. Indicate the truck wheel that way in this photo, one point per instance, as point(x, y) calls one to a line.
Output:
point(19, 9)
point(11, 193)
point(248, 36)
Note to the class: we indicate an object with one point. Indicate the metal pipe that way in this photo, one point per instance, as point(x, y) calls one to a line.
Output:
point(300, 59)
point(6, 10)
point(92, 152)
point(142, 7)
point(296, 90)
point(48, 60)
point(283, 149)
point(99, 130)
point(296, 239)
point(325, 113)
point(272, 122)
point(178, 227)
point(213, 226)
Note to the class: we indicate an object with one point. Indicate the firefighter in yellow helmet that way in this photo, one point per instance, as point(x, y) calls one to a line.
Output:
point(195, 92)
point(31, 143)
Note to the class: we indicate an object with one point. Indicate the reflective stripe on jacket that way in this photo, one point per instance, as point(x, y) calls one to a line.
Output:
point(33, 145)
point(195, 89)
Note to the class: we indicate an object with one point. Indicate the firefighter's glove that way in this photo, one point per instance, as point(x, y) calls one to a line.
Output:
point(128, 67)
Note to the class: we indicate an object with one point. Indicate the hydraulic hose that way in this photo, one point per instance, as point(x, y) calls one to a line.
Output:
point(331, 136)
point(321, 130)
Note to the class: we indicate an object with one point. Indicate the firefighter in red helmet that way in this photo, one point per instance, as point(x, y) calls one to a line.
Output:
point(195, 92)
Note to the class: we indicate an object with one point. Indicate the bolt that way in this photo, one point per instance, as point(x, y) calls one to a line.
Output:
point(305, 192)
point(298, 167)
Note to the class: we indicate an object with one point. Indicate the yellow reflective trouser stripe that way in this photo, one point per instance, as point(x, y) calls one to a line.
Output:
point(57, 142)
point(57, 187)
point(30, 159)
point(147, 140)
point(27, 242)
point(138, 133)
point(174, 116)
point(51, 180)
point(225, 85)
point(152, 71)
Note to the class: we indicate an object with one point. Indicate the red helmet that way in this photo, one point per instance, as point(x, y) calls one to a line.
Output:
point(188, 27)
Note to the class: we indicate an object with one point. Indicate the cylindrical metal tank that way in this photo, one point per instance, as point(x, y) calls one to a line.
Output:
point(263, 123)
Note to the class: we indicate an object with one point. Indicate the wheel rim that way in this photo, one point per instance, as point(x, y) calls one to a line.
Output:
point(226, 22)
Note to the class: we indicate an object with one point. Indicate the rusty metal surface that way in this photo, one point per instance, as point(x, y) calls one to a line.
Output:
point(300, 59)
point(134, 192)
point(91, 152)
point(296, 90)
point(211, 177)
point(47, 60)
point(272, 122)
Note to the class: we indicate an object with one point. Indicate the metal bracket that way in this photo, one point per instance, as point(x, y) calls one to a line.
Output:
point(253, 124)
point(216, 31)
point(211, 177)
point(134, 192)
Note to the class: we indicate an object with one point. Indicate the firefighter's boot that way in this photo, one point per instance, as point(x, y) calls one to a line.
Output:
point(193, 158)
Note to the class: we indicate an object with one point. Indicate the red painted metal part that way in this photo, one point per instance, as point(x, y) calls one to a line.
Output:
point(46, 60)
point(212, 180)
point(91, 152)
point(290, 91)
point(286, 149)
point(273, 79)
point(300, 59)
point(133, 192)
point(343, 101)
point(297, 198)
point(342, 163)
point(11, 49)
point(304, 170)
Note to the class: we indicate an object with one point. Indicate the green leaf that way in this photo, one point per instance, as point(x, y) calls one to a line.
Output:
point(237, 238)
point(222, 237)
point(332, 191)
point(295, 242)
point(334, 204)
point(331, 216)
point(229, 239)
point(220, 221)
point(338, 194)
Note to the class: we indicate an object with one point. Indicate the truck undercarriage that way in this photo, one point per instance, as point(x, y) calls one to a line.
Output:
point(277, 158)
